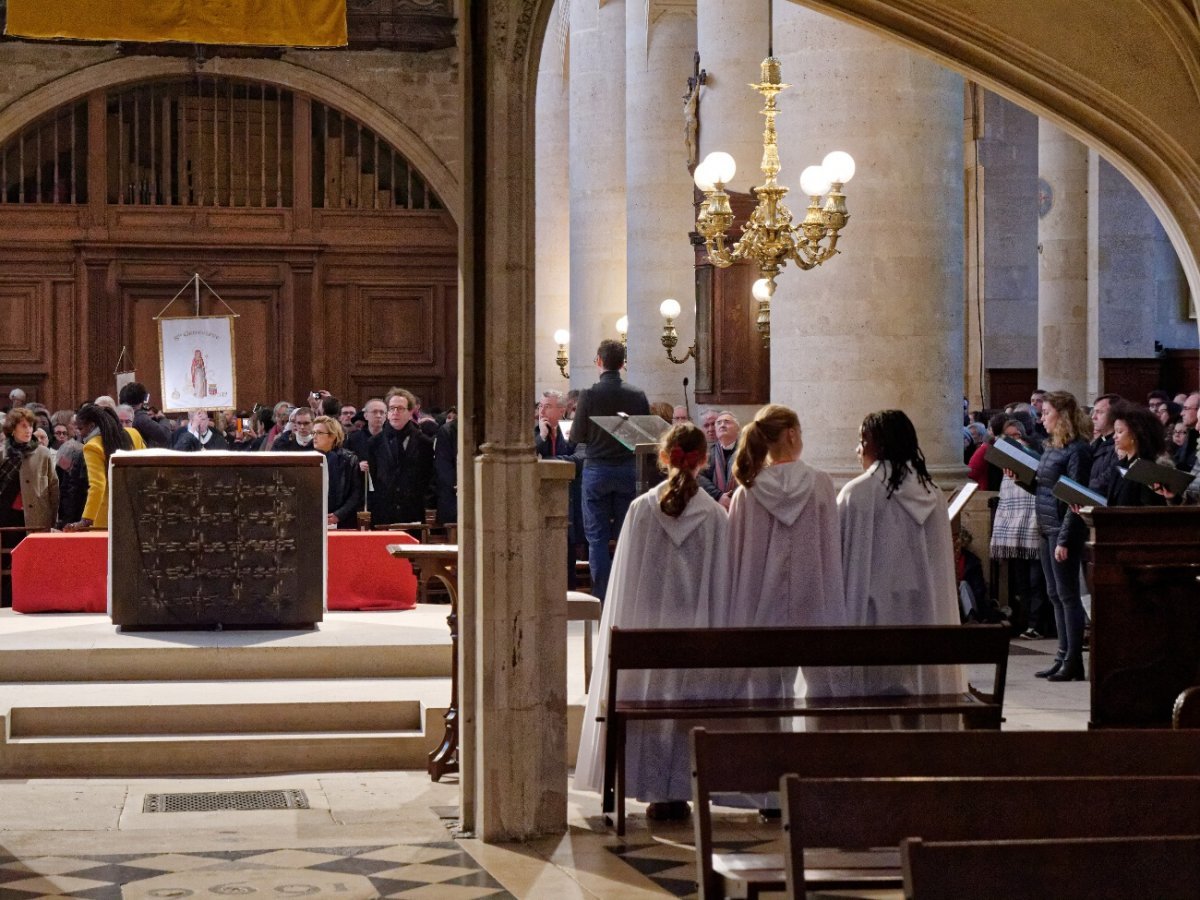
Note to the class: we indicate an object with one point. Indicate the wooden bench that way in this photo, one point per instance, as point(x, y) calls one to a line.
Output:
point(753, 762)
point(749, 648)
point(1166, 868)
point(880, 813)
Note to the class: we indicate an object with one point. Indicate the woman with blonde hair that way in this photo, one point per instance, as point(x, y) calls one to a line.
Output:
point(345, 481)
point(785, 544)
point(669, 571)
point(1067, 453)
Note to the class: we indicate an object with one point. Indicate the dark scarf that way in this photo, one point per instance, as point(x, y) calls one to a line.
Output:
point(10, 468)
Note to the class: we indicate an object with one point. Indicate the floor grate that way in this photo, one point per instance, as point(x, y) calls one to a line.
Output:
point(215, 801)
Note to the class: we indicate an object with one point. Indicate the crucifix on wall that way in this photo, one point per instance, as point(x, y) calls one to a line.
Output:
point(691, 112)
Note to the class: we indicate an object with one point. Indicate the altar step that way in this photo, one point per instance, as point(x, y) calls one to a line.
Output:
point(53, 737)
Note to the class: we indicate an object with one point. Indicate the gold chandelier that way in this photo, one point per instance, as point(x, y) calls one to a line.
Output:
point(769, 238)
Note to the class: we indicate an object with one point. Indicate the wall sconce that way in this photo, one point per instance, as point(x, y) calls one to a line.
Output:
point(623, 329)
point(562, 337)
point(670, 310)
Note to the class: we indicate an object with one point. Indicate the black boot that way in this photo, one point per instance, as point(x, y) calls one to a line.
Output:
point(1072, 670)
point(1050, 672)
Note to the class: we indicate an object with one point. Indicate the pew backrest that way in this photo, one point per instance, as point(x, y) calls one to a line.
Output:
point(1165, 868)
point(882, 812)
point(754, 762)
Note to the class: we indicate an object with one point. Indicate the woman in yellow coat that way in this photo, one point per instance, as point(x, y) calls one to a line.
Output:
point(102, 436)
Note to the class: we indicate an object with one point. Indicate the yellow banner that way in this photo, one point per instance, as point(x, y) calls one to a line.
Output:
point(275, 23)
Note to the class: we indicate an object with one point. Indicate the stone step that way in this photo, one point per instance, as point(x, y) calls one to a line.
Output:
point(27, 722)
point(137, 755)
point(409, 645)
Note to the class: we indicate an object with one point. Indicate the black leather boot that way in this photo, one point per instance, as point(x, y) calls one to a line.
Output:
point(1050, 672)
point(1072, 670)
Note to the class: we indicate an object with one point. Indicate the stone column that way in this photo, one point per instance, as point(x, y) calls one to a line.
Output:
point(659, 212)
point(1063, 268)
point(597, 179)
point(732, 39)
point(1001, 165)
point(512, 581)
point(552, 241)
point(880, 325)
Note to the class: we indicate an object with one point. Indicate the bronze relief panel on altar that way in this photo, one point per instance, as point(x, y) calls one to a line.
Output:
point(206, 540)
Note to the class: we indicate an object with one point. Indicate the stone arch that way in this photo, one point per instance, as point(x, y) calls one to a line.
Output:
point(116, 73)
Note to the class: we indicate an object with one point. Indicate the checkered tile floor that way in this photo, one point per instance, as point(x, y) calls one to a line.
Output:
point(428, 870)
point(673, 866)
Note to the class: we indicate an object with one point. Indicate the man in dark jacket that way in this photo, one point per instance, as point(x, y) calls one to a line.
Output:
point(135, 395)
point(1104, 455)
point(609, 473)
point(400, 459)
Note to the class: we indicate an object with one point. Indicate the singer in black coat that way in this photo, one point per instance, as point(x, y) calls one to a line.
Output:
point(345, 487)
point(401, 464)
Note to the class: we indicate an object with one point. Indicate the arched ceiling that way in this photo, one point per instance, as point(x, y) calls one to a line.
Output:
point(1121, 75)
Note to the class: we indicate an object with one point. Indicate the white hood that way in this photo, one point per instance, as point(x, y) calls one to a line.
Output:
point(679, 527)
point(784, 490)
point(913, 497)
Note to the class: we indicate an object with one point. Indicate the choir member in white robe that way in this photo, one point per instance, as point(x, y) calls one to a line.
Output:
point(897, 553)
point(785, 546)
point(670, 571)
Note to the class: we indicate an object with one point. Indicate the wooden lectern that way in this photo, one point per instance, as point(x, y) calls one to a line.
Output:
point(1145, 612)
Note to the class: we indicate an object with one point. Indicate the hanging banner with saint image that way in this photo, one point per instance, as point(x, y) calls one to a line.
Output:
point(197, 362)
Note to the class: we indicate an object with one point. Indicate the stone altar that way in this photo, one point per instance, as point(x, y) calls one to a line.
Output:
point(201, 540)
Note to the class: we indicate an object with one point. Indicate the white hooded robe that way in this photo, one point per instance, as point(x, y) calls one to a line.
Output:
point(898, 565)
point(786, 564)
point(667, 573)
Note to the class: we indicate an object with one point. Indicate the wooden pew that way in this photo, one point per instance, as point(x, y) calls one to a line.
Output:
point(753, 762)
point(1165, 868)
point(880, 813)
point(748, 648)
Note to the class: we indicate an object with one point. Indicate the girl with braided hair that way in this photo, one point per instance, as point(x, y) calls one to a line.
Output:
point(786, 559)
point(669, 571)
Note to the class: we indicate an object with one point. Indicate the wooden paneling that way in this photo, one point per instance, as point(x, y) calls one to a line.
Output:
point(1181, 371)
point(1007, 386)
point(22, 325)
point(733, 368)
point(1131, 378)
point(256, 363)
point(353, 301)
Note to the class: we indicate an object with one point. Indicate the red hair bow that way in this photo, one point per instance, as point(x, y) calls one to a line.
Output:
point(685, 460)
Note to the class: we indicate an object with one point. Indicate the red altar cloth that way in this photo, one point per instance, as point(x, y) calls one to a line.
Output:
point(363, 575)
point(58, 572)
point(54, 572)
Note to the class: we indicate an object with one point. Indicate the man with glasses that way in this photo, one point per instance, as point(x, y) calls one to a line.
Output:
point(300, 437)
point(400, 460)
point(346, 416)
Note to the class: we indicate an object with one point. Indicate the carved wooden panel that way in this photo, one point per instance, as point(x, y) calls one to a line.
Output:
point(396, 324)
point(22, 324)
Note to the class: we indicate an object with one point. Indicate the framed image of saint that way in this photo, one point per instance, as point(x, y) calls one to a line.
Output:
point(197, 363)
